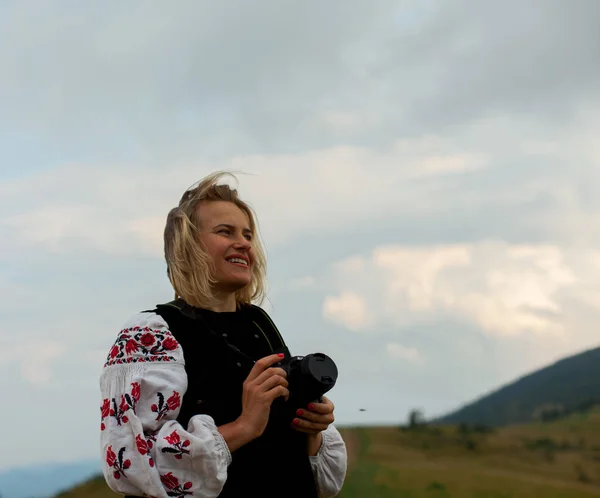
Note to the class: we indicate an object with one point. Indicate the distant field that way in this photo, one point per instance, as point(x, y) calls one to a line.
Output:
point(552, 460)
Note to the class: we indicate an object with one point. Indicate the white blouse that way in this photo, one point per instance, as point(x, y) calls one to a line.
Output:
point(145, 450)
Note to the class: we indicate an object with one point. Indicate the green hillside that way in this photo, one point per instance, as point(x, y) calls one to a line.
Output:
point(544, 459)
point(550, 460)
point(568, 385)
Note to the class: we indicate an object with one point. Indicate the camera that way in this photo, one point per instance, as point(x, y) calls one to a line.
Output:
point(309, 377)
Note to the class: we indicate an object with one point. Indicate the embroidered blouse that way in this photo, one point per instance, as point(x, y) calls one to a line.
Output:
point(145, 450)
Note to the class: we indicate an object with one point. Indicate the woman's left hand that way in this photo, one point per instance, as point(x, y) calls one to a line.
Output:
point(316, 417)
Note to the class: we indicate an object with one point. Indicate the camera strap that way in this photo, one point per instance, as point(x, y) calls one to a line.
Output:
point(194, 314)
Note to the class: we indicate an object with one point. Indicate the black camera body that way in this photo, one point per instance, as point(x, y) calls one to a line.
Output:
point(309, 377)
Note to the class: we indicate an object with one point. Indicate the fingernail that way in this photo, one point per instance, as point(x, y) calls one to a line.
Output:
point(295, 421)
point(311, 406)
point(299, 412)
point(281, 355)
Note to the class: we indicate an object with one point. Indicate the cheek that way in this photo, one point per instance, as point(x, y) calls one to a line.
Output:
point(215, 250)
point(252, 256)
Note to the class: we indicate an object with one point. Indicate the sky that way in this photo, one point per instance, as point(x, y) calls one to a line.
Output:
point(424, 174)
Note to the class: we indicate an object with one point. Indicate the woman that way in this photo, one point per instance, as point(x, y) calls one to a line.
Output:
point(192, 393)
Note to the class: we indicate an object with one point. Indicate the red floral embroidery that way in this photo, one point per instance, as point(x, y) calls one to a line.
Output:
point(128, 402)
point(153, 359)
point(117, 463)
point(144, 446)
point(105, 412)
point(147, 339)
point(163, 408)
point(170, 344)
point(118, 412)
point(147, 344)
point(131, 346)
point(135, 393)
point(172, 484)
point(178, 447)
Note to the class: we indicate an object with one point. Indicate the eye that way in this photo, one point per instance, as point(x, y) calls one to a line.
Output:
point(225, 231)
point(248, 237)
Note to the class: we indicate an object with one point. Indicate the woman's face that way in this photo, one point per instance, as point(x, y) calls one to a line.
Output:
point(226, 234)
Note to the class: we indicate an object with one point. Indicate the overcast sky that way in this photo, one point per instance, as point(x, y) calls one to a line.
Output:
point(425, 175)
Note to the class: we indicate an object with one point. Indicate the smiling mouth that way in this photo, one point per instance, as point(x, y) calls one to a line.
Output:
point(238, 262)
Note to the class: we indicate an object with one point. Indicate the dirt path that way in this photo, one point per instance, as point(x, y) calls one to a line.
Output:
point(352, 446)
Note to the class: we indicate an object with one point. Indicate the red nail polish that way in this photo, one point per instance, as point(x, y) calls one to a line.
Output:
point(299, 412)
point(281, 355)
point(311, 407)
point(296, 421)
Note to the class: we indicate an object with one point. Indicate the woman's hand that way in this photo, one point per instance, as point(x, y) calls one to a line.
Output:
point(313, 420)
point(262, 386)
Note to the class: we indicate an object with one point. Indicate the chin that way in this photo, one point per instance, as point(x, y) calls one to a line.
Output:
point(235, 285)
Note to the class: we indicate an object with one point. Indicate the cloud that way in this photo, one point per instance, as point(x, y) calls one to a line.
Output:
point(285, 76)
point(505, 290)
point(306, 282)
point(123, 211)
point(470, 66)
point(433, 187)
point(35, 359)
point(348, 308)
point(399, 352)
point(36, 366)
point(119, 71)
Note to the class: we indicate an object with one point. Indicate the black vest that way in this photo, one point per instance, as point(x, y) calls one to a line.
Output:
point(275, 464)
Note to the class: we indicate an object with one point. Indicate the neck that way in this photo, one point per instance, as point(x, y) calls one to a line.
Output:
point(224, 302)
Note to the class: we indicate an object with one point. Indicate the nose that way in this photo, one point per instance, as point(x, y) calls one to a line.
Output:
point(242, 243)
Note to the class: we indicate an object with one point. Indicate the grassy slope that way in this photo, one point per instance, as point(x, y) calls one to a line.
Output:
point(94, 488)
point(559, 459)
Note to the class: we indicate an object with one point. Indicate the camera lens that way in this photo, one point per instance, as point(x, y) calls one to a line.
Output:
point(321, 370)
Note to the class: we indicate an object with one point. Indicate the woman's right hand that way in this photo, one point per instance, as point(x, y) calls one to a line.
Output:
point(262, 386)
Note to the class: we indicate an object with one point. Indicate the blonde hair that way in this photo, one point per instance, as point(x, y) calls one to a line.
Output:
point(189, 267)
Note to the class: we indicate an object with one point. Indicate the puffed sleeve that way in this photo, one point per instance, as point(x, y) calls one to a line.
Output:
point(329, 465)
point(145, 451)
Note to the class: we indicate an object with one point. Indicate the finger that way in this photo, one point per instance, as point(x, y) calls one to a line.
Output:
point(278, 391)
point(322, 408)
point(271, 382)
point(316, 417)
point(261, 365)
point(268, 373)
point(307, 425)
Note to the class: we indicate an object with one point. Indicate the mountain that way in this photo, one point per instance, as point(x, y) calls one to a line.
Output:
point(43, 480)
point(570, 384)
